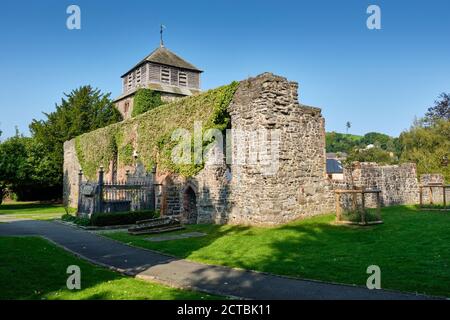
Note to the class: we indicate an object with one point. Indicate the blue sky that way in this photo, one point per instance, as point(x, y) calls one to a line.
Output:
point(379, 80)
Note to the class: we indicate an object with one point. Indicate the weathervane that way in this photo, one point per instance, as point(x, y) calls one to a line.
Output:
point(161, 43)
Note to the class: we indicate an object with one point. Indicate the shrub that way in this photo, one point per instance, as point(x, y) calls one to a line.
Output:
point(121, 218)
point(374, 154)
point(77, 220)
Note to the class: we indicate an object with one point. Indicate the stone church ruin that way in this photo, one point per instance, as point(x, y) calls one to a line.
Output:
point(137, 151)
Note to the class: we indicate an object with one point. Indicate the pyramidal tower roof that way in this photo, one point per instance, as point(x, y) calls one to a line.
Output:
point(164, 56)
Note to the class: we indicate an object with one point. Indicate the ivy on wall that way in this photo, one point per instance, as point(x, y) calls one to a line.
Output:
point(145, 100)
point(150, 133)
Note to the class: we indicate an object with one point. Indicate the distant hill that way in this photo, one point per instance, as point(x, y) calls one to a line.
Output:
point(343, 142)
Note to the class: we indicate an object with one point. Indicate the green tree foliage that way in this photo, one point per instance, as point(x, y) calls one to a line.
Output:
point(382, 141)
point(23, 166)
point(426, 145)
point(375, 154)
point(340, 142)
point(12, 162)
point(440, 110)
point(13, 158)
point(348, 125)
point(145, 100)
point(83, 110)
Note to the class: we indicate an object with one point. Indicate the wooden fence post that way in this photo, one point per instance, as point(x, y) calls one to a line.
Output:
point(421, 195)
point(363, 207)
point(444, 191)
point(379, 205)
point(431, 195)
point(354, 202)
point(338, 207)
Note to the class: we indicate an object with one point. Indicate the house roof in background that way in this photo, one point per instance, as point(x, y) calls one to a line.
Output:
point(334, 166)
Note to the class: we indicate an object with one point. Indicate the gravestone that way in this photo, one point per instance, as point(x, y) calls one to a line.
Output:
point(157, 225)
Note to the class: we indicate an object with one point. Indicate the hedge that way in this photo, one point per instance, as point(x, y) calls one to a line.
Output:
point(121, 218)
point(77, 220)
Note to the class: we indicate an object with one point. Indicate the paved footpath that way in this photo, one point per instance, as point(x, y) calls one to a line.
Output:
point(180, 273)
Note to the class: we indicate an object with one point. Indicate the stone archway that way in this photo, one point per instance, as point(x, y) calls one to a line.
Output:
point(190, 213)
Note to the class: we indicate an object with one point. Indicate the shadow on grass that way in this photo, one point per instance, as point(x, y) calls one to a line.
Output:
point(33, 268)
point(16, 206)
point(412, 248)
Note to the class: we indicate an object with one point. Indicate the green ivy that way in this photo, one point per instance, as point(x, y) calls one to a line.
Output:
point(96, 148)
point(150, 133)
point(145, 100)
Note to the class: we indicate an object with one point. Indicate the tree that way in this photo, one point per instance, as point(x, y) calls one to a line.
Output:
point(2, 187)
point(24, 169)
point(440, 110)
point(145, 100)
point(341, 142)
point(348, 125)
point(375, 154)
point(84, 109)
point(427, 145)
point(383, 141)
point(13, 157)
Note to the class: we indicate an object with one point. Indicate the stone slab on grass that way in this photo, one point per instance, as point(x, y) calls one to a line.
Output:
point(176, 236)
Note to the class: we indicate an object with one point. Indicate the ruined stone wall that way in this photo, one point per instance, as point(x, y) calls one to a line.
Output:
point(71, 169)
point(437, 196)
point(212, 195)
point(430, 178)
point(294, 185)
point(298, 187)
point(210, 185)
point(398, 183)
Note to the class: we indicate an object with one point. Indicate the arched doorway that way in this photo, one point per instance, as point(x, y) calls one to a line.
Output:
point(190, 206)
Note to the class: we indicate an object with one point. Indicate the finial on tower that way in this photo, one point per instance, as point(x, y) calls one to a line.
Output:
point(161, 43)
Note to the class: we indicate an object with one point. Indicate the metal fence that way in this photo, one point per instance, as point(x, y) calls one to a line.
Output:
point(122, 196)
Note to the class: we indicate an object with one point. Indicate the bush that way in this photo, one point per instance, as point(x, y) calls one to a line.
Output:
point(374, 154)
point(77, 220)
point(370, 216)
point(121, 218)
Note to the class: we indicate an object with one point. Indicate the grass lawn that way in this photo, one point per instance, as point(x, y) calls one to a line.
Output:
point(33, 268)
point(412, 248)
point(31, 210)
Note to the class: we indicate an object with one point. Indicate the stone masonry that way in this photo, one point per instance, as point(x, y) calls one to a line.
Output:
point(433, 178)
point(398, 183)
point(287, 179)
point(299, 186)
